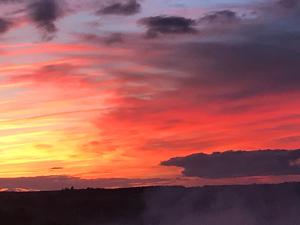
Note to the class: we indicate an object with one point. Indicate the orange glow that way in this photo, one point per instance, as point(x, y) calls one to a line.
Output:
point(84, 106)
point(56, 117)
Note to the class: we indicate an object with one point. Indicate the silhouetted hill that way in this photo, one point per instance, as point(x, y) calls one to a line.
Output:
point(211, 205)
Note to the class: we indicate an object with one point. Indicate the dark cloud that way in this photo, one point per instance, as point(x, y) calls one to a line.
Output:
point(253, 65)
point(258, 56)
point(168, 25)
point(45, 13)
point(5, 25)
point(239, 164)
point(231, 71)
point(121, 8)
point(289, 3)
point(223, 16)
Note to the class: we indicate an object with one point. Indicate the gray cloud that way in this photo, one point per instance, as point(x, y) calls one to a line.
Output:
point(289, 3)
point(158, 25)
point(223, 16)
point(121, 8)
point(239, 164)
point(5, 25)
point(44, 13)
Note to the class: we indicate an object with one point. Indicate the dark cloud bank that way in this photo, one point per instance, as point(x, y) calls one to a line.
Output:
point(235, 57)
point(239, 164)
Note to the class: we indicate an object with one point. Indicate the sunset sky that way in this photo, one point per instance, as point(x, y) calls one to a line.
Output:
point(105, 93)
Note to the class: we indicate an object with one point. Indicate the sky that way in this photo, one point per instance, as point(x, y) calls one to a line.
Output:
point(122, 93)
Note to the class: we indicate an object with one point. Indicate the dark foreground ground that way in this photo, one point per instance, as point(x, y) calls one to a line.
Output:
point(221, 205)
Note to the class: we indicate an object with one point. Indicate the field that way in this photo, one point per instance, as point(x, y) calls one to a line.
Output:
point(211, 205)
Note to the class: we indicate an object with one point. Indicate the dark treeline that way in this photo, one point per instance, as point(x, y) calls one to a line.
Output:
point(212, 205)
